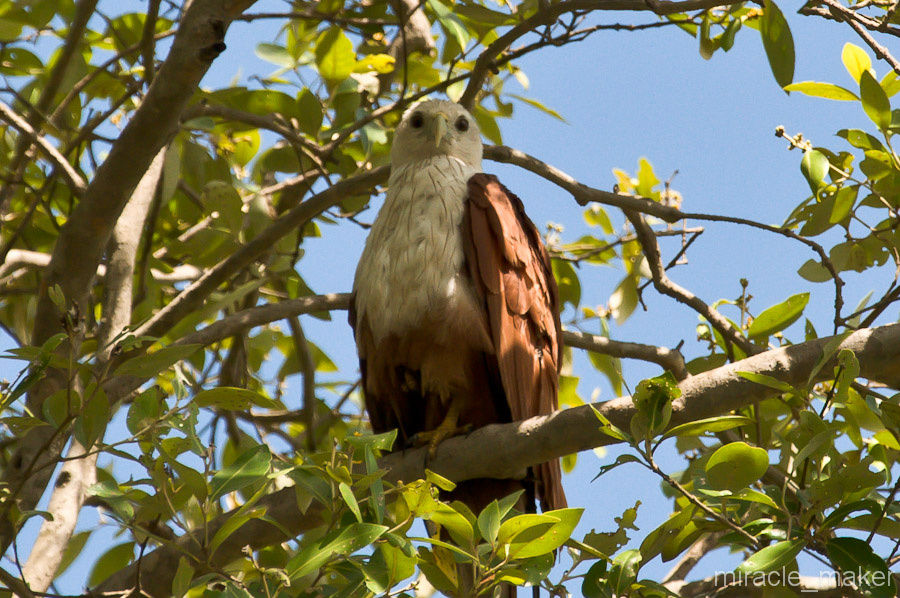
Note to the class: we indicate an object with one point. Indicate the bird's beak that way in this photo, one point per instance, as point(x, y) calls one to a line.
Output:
point(438, 127)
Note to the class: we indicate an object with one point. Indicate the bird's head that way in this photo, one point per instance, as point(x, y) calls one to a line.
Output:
point(435, 128)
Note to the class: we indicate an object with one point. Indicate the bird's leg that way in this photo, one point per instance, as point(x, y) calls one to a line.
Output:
point(447, 428)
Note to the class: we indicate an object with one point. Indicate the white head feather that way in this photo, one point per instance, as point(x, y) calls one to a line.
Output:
point(434, 128)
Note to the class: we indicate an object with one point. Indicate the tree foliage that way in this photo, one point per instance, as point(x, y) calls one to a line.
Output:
point(152, 272)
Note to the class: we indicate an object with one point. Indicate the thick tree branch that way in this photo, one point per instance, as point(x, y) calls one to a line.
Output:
point(81, 242)
point(79, 471)
point(499, 450)
point(80, 245)
point(812, 587)
point(75, 476)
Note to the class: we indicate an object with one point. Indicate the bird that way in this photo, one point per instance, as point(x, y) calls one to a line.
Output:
point(454, 306)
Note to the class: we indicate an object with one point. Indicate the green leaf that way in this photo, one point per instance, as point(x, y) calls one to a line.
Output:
point(843, 204)
point(439, 480)
point(594, 585)
point(487, 124)
point(250, 467)
point(350, 499)
point(819, 89)
point(624, 299)
point(568, 283)
point(335, 57)
point(145, 410)
point(857, 558)
point(814, 167)
point(399, 565)
point(708, 425)
point(861, 139)
point(348, 541)
point(147, 366)
point(624, 571)
point(452, 25)
point(276, 54)
point(778, 42)
point(813, 271)
point(735, 466)
point(234, 522)
point(73, 548)
point(772, 557)
point(875, 101)
point(458, 526)
point(20, 425)
point(181, 581)
point(595, 215)
point(529, 536)
point(610, 429)
point(539, 106)
point(751, 495)
point(778, 317)
point(232, 399)
point(90, 425)
point(489, 522)
point(707, 46)
point(890, 83)
point(855, 60)
point(311, 112)
point(111, 561)
point(766, 380)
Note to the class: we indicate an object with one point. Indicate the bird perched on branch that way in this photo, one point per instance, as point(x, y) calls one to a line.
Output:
point(454, 303)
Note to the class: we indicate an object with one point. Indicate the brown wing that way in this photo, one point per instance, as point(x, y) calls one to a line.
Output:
point(510, 269)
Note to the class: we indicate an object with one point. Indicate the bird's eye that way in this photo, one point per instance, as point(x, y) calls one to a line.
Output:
point(462, 124)
point(416, 120)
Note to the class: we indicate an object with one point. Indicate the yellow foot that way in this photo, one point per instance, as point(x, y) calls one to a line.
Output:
point(434, 437)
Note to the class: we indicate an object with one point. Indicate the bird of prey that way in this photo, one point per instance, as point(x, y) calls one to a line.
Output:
point(454, 304)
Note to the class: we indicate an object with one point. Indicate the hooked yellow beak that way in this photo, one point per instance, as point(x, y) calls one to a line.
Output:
point(437, 128)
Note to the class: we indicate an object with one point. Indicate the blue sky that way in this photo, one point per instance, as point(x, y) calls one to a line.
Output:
point(626, 96)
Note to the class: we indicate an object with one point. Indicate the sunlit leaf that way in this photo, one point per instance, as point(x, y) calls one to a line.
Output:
point(778, 43)
point(250, 467)
point(855, 60)
point(335, 57)
point(772, 557)
point(778, 317)
point(735, 466)
point(874, 100)
point(823, 90)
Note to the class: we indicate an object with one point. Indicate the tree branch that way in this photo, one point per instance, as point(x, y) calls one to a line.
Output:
point(497, 450)
point(79, 470)
point(18, 259)
point(853, 19)
point(68, 171)
point(83, 12)
point(581, 192)
point(194, 295)
point(666, 286)
point(79, 247)
point(668, 359)
point(261, 315)
point(549, 13)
